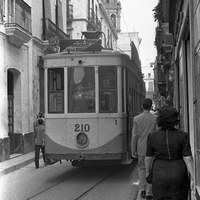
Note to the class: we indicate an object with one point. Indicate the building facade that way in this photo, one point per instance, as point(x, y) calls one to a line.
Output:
point(129, 42)
point(177, 67)
point(94, 15)
point(148, 74)
point(125, 39)
point(26, 29)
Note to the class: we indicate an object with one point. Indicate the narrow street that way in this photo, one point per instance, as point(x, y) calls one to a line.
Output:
point(62, 181)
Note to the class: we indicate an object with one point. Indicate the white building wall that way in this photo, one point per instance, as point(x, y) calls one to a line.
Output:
point(17, 59)
point(78, 28)
point(22, 62)
point(124, 41)
point(3, 89)
point(80, 13)
point(36, 12)
point(80, 9)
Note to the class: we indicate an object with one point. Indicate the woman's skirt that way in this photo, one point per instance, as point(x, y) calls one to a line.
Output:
point(170, 180)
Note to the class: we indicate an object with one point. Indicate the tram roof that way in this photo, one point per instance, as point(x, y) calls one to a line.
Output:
point(113, 55)
point(88, 53)
point(104, 52)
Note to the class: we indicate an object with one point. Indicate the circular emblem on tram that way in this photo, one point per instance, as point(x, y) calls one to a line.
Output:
point(82, 140)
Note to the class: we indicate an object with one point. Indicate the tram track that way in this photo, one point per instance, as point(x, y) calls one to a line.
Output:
point(76, 174)
point(52, 186)
point(93, 187)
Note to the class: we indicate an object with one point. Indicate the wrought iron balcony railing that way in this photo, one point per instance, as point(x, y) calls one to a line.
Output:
point(19, 13)
point(18, 22)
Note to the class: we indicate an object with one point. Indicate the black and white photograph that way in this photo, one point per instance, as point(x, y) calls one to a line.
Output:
point(100, 100)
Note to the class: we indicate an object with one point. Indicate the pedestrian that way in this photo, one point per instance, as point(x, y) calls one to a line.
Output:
point(171, 150)
point(40, 115)
point(143, 124)
point(39, 141)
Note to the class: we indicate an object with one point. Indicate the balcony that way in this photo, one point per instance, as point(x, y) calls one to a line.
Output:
point(18, 26)
point(52, 30)
point(94, 24)
point(17, 35)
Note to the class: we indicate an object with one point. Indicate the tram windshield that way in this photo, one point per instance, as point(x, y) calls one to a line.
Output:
point(81, 90)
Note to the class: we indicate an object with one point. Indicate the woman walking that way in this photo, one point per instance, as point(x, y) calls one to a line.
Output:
point(173, 158)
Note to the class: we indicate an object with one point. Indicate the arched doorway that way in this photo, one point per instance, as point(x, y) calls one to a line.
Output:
point(10, 88)
point(14, 102)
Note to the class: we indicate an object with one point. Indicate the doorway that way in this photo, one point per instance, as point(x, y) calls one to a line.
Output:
point(10, 86)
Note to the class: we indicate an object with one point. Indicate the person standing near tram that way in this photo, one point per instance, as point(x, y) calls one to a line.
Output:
point(39, 141)
point(143, 124)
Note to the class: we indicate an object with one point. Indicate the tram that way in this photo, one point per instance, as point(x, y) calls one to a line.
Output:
point(90, 100)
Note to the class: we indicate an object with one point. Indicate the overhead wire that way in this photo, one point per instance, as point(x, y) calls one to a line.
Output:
point(126, 25)
point(126, 30)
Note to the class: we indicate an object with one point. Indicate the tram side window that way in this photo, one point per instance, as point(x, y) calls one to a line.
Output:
point(81, 90)
point(107, 89)
point(123, 83)
point(56, 90)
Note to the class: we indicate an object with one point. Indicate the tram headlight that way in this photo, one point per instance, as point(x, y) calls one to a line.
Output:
point(82, 140)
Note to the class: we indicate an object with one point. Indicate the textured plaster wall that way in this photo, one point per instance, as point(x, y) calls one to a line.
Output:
point(3, 89)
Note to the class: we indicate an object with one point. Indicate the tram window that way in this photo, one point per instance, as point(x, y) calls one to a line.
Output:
point(123, 83)
point(81, 90)
point(56, 90)
point(107, 89)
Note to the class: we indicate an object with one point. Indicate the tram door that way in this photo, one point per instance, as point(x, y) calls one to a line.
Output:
point(10, 112)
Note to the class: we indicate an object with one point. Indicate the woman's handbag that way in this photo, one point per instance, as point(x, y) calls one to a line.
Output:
point(149, 178)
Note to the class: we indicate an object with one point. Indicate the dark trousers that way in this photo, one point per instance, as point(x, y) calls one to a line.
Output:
point(37, 154)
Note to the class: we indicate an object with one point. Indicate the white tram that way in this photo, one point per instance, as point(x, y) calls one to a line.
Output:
point(90, 99)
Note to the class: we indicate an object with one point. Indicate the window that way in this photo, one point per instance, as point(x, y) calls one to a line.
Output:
point(123, 82)
point(81, 90)
point(19, 12)
point(113, 19)
point(10, 11)
point(2, 11)
point(69, 10)
point(107, 89)
point(56, 90)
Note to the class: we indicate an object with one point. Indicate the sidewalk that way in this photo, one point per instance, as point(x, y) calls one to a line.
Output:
point(17, 162)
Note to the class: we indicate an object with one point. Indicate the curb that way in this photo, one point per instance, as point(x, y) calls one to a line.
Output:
point(15, 167)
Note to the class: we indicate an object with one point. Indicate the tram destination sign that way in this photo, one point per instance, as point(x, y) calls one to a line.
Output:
point(80, 45)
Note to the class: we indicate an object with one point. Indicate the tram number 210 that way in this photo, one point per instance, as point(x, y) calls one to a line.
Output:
point(82, 128)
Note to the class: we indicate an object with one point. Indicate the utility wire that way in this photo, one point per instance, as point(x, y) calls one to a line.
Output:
point(126, 26)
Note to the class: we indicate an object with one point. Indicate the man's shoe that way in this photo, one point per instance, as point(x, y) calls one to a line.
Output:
point(143, 194)
point(149, 197)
